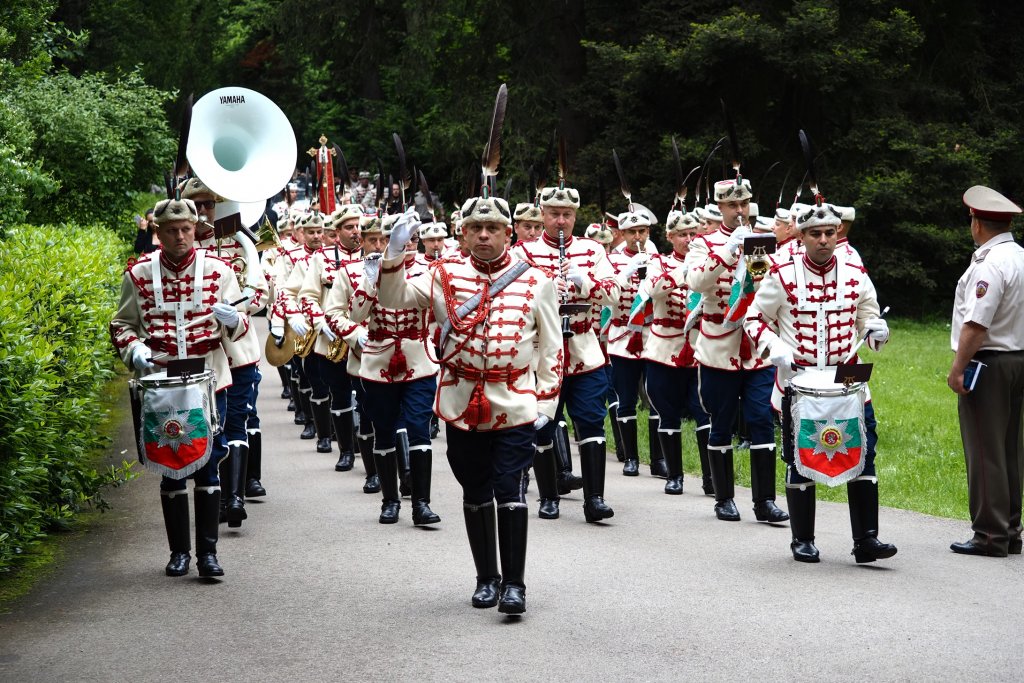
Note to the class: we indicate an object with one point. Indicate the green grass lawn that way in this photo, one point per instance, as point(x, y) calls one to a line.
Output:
point(920, 459)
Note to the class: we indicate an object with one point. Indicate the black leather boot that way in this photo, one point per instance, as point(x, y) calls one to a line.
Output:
point(402, 444)
point(613, 413)
point(672, 447)
point(372, 483)
point(435, 426)
point(343, 432)
point(233, 484)
point(725, 487)
point(286, 387)
point(801, 507)
point(254, 468)
point(592, 463)
point(762, 485)
point(309, 426)
point(207, 510)
point(705, 466)
point(299, 407)
point(387, 470)
point(421, 462)
point(512, 522)
point(567, 481)
point(483, 543)
point(547, 482)
point(627, 431)
point(658, 466)
point(175, 509)
point(863, 495)
point(321, 409)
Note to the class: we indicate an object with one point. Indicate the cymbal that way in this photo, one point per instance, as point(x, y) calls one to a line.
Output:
point(279, 355)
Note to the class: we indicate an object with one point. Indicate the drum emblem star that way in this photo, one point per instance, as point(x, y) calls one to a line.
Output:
point(176, 431)
point(830, 438)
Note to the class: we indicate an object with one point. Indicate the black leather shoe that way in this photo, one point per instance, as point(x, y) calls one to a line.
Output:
point(804, 551)
point(291, 406)
point(548, 508)
point(422, 514)
point(595, 509)
point(372, 484)
point(486, 593)
point(768, 511)
point(208, 565)
point(870, 549)
point(1015, 546)
point(568, 482)
point(286, 392)
point(726, 510)
point(236, 512)
point(674, 486)
point(254, 489)
point(345, 462)
point(659, 468)
point(631, 468)
point(707, 486)
point(389, 511)
point(972, 548)
point(178, 566)
point(513, 599)
point(300, 417)
point(323, 445)
point(309, 432)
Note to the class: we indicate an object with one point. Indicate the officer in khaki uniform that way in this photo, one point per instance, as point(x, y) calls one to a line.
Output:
point(988, 326)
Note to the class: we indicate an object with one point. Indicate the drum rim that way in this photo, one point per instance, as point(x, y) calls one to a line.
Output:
point(161, 378)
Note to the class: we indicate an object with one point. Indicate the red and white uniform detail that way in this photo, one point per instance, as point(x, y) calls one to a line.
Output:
point(283, 264)
point(501, 365)
point(337, 311)
point(397, 337)
point(583, 349)
point(667, 344)
point(819, 311)
point(322, 270)
point(288, 297)
point(170, 310)
point(621, 340)
point(710, 272)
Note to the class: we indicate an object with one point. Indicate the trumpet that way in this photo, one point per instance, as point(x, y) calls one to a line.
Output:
point(304, 344)
point(337, 350)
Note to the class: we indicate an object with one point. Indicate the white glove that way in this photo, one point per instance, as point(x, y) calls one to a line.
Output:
point(402, 232)
point(362, 341)
point(326, 330)
point(781, 355)
point(735, 240)
point(541, 421)
point(574, 275)
point(300, 327)
point(638, 261)
point(371, 268)
point(226, 314)
point(142, 358)
point(277, 332)
point(878, 328)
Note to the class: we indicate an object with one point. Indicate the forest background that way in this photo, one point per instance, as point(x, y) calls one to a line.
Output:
point(909, 103)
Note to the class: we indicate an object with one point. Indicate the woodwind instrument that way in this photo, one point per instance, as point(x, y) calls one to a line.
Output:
point(566, 331)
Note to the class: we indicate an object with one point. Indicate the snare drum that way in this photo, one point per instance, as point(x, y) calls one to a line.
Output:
point(829, 439)
point(177, 421)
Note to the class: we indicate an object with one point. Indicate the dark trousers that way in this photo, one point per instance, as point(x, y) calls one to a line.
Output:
point(990, 427)
point(387, 404)
point(719, 391)
point(491, 465)
point(627, 374)
point(208, 474)
point(583, 397)
point(241, 404)
point(673, 393)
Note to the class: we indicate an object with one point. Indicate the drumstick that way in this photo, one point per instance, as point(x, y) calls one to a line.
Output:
point(235, 303)
point(863, 339)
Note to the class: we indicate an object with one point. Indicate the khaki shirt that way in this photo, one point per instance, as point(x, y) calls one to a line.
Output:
point(991, 294)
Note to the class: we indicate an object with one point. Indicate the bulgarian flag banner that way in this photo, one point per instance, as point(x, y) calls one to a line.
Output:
point(640, 314)
point(828, 433)
point(175, 431)
point(740, 297)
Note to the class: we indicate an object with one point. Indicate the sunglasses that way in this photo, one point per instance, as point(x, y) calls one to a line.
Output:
point(209, 205)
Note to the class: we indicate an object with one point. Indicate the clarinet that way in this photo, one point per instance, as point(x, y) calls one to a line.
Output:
point(566, 331)
point(642, 270)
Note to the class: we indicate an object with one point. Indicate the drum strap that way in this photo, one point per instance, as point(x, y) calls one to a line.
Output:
point(180, 307)
point(820, 309)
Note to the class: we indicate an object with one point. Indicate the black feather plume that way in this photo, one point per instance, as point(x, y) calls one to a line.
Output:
point(733, 142)
point(181, 167)
point(805, 145)
point(623, 183)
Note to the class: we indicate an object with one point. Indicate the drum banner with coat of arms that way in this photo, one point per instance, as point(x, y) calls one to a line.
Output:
point(175, 437)
point(828, 433)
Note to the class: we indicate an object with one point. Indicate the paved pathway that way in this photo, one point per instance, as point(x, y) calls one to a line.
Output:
point(316, 590)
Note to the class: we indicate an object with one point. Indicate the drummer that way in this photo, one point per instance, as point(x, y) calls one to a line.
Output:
point(159, 319)
point(817, 296)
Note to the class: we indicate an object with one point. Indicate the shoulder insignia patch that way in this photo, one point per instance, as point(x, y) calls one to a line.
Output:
point(980, 290)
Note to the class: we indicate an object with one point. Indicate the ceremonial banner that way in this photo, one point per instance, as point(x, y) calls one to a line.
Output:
point(175, 436)
point(829, 437)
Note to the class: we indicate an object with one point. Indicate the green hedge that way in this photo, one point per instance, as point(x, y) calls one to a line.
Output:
point(60, 286)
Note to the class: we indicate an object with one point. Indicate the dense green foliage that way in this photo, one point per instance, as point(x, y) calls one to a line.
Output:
point(55, 360)
point(909, 103)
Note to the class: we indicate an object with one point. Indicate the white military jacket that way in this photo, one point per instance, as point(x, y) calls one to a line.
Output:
point(337, 312)
point(322, 270)
point(162, 307)
point(619, 334)
point(667, 343)
point(501, 364)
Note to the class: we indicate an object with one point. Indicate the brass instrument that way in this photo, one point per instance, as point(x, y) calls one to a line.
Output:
point(757, 251)
point(757, 264)
point(304, 344)
point(337, 350)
